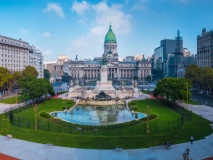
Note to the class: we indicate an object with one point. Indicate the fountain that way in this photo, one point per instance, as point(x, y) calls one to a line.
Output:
point(104, 85)
point(103, 104)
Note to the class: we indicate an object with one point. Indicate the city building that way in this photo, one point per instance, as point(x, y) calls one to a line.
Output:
point(138, 57)
point(126, 70)
point(55, 69)
point(161, 56)
point(170, 59)
point(14, 54)
point(36, 60)
point(62, 59)
point(205, 49)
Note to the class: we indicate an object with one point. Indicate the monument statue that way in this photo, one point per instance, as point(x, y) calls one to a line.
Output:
point(71, 83)
point(104, 84)
point(104, 60)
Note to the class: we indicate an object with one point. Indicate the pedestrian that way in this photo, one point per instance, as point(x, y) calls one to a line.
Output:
point(168, 145)
point(192, 139)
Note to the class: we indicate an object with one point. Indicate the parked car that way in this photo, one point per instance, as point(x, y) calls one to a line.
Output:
point(205, 92)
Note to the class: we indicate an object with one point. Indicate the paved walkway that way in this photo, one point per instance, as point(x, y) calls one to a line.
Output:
point(34, 151)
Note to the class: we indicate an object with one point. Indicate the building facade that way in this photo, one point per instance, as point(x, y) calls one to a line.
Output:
point(89, 70)
point(161, 56)
point(171, 58)
point(36, 60)
point(62, 59)
point(14, 54)
point(205, 49)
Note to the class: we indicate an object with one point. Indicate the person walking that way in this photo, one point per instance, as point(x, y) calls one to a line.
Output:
point(192, 139)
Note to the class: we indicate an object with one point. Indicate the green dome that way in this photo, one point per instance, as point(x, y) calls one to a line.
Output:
point(110, 36)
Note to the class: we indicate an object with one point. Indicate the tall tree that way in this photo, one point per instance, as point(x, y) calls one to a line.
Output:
point(16, 76)
point(29, 70)
point(173, 89)
point(35, 88)
point(46, 74)
point(207, 78)
point(193, 73)
point(5, 79)
point(202, 78)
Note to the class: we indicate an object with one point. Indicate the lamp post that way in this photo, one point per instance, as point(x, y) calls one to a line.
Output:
point(187, 94)
point(35, 110)
point(16, 96)
point(147, 125)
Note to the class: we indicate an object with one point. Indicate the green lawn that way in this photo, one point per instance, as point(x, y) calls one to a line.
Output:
point(11, 100)
point(133, 136)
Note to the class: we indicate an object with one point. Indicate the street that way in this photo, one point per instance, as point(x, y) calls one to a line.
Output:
point(202, 98)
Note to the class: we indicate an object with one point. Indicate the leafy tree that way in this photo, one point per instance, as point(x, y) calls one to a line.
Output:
point(35, 88)
point(16, 76)
point(46, 74)
point(193, 73)
point(5, 79)
point(200, 77)
point(173, 89)
point(206, 78)
point(29, 70)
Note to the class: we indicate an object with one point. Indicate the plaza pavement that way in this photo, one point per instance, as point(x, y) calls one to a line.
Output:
point(25, 150)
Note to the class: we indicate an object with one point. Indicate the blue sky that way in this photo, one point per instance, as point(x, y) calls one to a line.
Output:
point(76, 27)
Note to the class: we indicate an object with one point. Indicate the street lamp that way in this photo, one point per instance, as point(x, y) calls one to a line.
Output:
point(35, 110)
point(147, 127)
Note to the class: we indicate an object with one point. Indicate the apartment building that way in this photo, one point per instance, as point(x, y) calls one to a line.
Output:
point(14, 54)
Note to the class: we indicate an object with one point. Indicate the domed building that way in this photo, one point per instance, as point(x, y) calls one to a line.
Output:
point(110, 45)
point(89, 70)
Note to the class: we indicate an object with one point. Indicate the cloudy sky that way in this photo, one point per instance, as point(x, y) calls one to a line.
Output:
point(76, 27)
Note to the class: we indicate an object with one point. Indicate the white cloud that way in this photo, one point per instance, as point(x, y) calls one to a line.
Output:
point(24, 31)
point(55, 8)
point(139, 5)
point(80, 7)
point(103, 14)
point(46, 34)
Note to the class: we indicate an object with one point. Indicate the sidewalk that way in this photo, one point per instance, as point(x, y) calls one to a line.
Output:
point(25, 150)
point(34, 151)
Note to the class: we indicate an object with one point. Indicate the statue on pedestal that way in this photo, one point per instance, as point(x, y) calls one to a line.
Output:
point(104, 60)
point(77, 82)
point(71, 83)
point(136, 83)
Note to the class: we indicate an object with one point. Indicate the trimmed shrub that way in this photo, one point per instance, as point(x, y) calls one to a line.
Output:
point(45, 115)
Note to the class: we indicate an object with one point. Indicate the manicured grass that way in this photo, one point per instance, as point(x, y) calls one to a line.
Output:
point(11, 100)
point(99, 139)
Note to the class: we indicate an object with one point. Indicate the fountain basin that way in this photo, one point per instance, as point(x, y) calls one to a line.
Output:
point(98, 115)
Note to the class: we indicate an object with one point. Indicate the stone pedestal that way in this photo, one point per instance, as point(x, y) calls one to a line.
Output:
point(104, 84)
